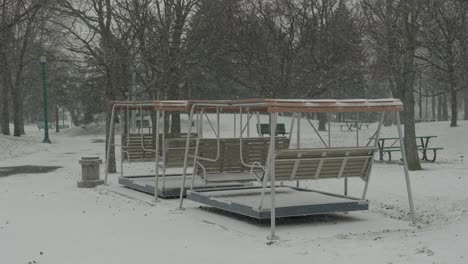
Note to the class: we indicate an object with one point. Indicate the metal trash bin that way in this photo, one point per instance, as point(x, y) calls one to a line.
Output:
point(90, 172)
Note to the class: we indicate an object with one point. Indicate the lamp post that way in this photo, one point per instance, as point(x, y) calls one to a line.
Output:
point(43, 60)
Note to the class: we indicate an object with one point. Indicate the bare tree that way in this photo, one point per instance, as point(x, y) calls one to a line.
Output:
point(443, 39)
point(16, 28)
point(99, 42)
point(392, 27)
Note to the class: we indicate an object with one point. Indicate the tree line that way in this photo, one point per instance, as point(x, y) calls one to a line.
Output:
point(103, 50)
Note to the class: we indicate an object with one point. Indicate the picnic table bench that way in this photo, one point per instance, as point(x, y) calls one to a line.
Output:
point(350, 124)
point(264, 129)
point(423, 147)
point(40, 125)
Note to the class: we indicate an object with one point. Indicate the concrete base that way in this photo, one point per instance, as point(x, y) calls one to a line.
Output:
point(89, 184)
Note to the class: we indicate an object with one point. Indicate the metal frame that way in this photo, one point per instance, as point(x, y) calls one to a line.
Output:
point(273, 106)
point(159, 190)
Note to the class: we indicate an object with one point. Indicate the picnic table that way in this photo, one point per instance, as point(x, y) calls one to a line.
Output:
point(350, 123)
point(40, 125)
point(423, 147)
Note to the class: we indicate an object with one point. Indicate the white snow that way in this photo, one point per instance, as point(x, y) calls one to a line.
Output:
point(45, 218)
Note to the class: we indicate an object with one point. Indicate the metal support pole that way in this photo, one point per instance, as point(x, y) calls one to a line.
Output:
point(248, 123)
point(200, 132)
point(187, 147)
point(197, 145)
point(121, 141)
point(357, 145)
point(235, 124)
point(316, 131)
point(376, 143)
point(258, 124)
point(405, 166)
point(291, 128)
point(218, 126)
point(298, 140)
point(357, 132)
point(163, 143)
point(329, 130)
point(272, 176)
point(217, 121)
point(156, 160)
point(345, 186)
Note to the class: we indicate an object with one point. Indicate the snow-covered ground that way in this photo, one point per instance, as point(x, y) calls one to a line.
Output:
point(45, 218)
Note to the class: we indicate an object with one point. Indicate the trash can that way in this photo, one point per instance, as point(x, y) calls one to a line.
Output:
point(90, 172)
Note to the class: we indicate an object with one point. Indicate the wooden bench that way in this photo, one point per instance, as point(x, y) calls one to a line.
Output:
point(299, 164)
point(133, 150)
point(253, 150)
point(296, 165)
point(264, 129)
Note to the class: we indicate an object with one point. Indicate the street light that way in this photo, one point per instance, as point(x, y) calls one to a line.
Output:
point(43, 60)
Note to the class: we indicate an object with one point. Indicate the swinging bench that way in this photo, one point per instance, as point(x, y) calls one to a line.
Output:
point(267, 199)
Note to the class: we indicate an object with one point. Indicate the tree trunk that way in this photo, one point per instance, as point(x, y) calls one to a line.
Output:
point(74, 114)
point(111, 158)
point(175, 125)
point(465, 108)
point(57, 121)
point(17, 98)
point(110, 97)
point(454, 108)
point(444, 107)
point(410, 129)
point(453, 91)
point(389, 119)
point(5, 95)
point(409, 45)
point(21, 111)
point(420, 98)
point(17, 102)
point(22, 120)
point(439, 108)
point(166, 123)
point(322, 122)
point(433, 107)
point(154, 136)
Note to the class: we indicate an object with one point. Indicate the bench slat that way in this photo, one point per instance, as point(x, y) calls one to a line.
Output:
point(323, 163)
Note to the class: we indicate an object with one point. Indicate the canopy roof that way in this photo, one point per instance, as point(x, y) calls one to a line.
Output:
point(268, 105)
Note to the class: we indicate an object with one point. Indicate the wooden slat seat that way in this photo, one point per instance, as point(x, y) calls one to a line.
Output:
point(298, 164)
point(133, 151)
point(174, 149)
point(253, 149)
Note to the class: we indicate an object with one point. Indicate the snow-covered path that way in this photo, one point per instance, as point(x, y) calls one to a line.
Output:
point(46, 219)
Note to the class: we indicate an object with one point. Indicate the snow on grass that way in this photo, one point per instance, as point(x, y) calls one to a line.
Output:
point(46, 219)
point(12, 147)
